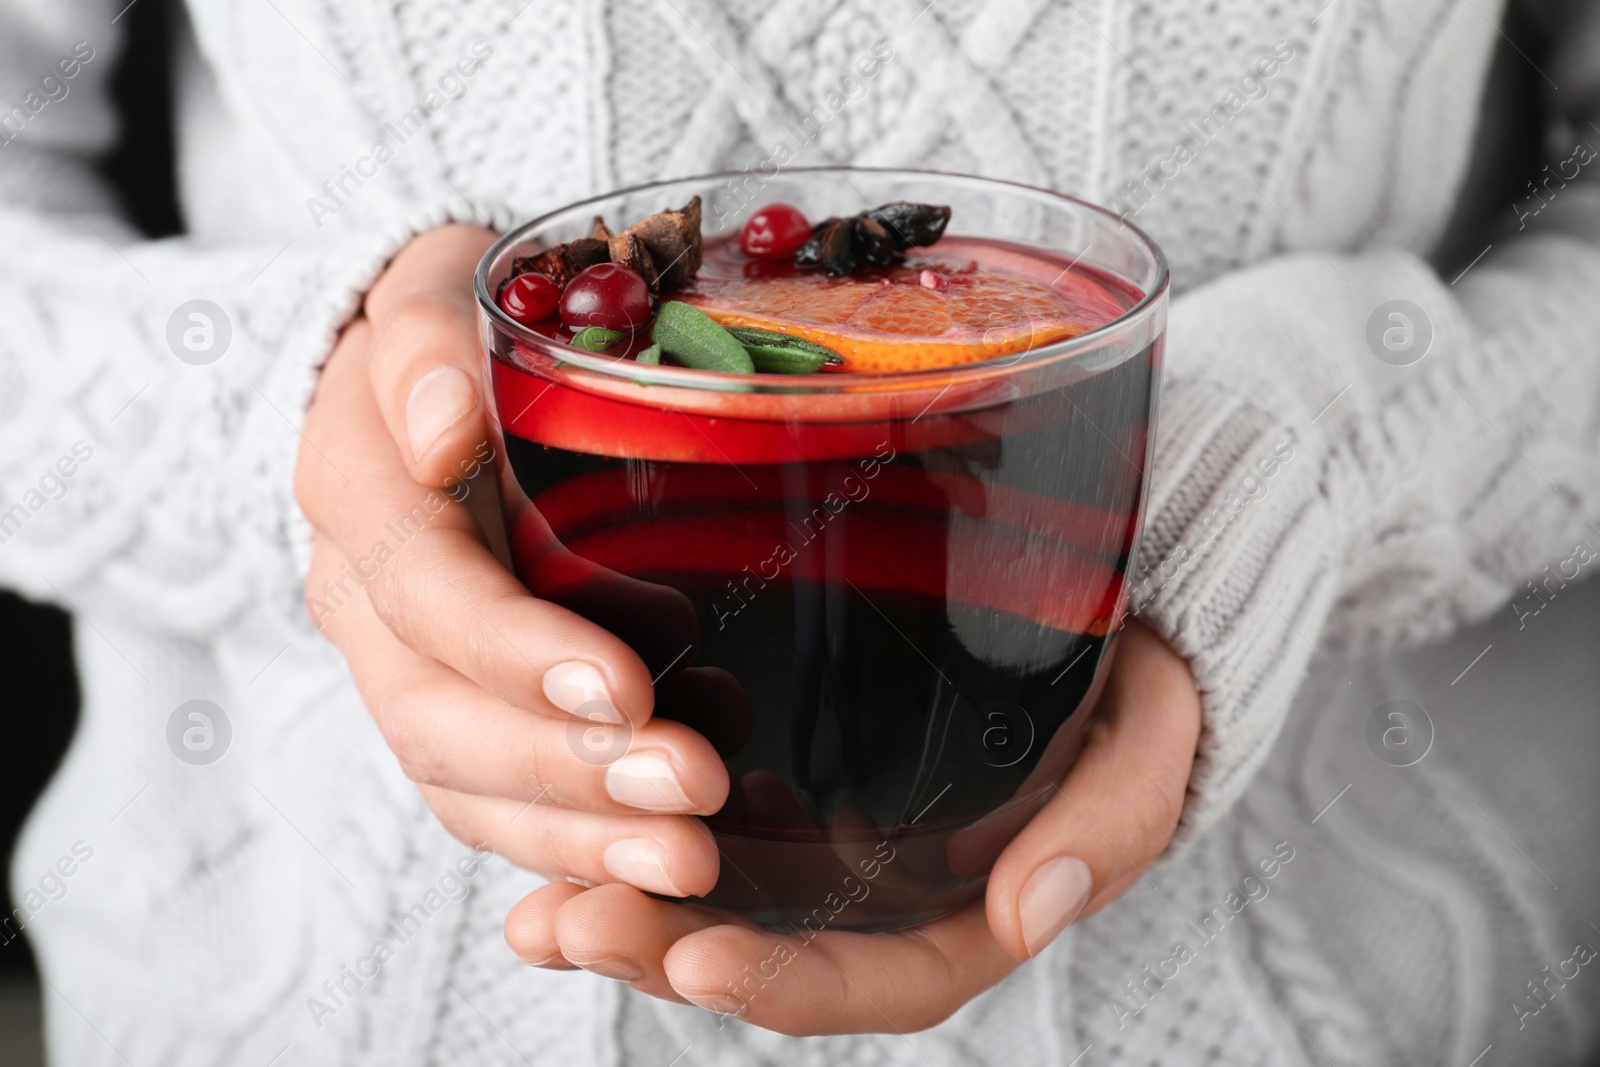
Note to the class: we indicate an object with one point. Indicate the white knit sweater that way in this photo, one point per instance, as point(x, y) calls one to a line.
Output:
point(1297, 161)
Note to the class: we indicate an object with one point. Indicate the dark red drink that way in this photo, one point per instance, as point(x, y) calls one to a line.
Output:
point(885, 598)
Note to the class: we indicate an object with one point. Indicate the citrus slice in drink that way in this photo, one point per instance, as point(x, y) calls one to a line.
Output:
point(959, 301)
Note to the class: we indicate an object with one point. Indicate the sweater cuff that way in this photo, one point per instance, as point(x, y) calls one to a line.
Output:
point(372, 257)
point(1236, 569)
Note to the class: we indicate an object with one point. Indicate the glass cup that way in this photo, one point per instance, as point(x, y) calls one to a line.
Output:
point(888, 599)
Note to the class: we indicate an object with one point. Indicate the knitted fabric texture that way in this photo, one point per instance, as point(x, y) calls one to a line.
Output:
point(1403, 502)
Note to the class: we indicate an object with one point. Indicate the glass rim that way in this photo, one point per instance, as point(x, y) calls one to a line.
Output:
point(620, 367)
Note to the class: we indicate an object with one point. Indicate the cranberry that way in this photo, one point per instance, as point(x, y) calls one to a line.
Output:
point(530, 298)
point(607, 295)
point(775, 232)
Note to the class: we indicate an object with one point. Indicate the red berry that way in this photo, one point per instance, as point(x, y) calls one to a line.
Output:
point(607, 295)
point(775, 232)
point(530, 298)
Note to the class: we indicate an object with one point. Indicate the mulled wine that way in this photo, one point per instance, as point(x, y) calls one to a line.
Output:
point(885, 591)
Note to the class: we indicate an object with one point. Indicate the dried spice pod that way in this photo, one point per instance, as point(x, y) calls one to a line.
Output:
point(873, 238)
point(561, 263)
point(525, 265)
point(692, 217)
point(673, 241)
point(834, 246)
point(911, 225)
point(878, 245)
point(664, 249)
point(553, 263)
point(585, 252)
point(629, 251)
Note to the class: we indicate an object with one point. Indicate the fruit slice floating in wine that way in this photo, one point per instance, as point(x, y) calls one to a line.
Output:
point(959, 301)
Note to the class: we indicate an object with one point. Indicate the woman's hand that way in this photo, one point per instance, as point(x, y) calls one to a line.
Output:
point(1112, 816)
point(479, 687)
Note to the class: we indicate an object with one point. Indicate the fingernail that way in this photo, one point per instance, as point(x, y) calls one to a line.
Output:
point(543, 961)
point(646, 780)
point(442, 398)
point(716, 1002)
point(640, 862)
point(578, 688)
point(1051, 898)
point(613, 967)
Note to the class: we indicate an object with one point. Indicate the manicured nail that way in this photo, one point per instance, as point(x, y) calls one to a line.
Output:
point(640, 862)
point(545, 962)
point(646, 780)
point(613, 967)
point(577, 687)
point(442, 398)
point(1051, 898)
point(717, 1002)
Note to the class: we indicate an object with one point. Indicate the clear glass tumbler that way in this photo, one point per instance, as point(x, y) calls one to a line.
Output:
point(889, 599)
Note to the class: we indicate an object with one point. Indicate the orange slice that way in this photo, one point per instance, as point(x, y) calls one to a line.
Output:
point(960, 301)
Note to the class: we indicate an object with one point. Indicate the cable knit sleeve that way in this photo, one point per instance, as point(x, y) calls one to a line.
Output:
point(150, 391)
point(1315, 500)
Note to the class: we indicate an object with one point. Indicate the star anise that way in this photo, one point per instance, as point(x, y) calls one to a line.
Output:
point(665, 249)
point(673, 240)
point(562, 262)
point(627, 249)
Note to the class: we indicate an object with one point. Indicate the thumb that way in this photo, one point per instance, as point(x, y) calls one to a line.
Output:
point(427, 361)
point(1115, 811)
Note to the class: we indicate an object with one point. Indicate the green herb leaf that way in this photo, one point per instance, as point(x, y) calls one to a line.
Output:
point(651, 355)
point(770, 359)
point(594, 339)
point(751, 337)
point(694, 339)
